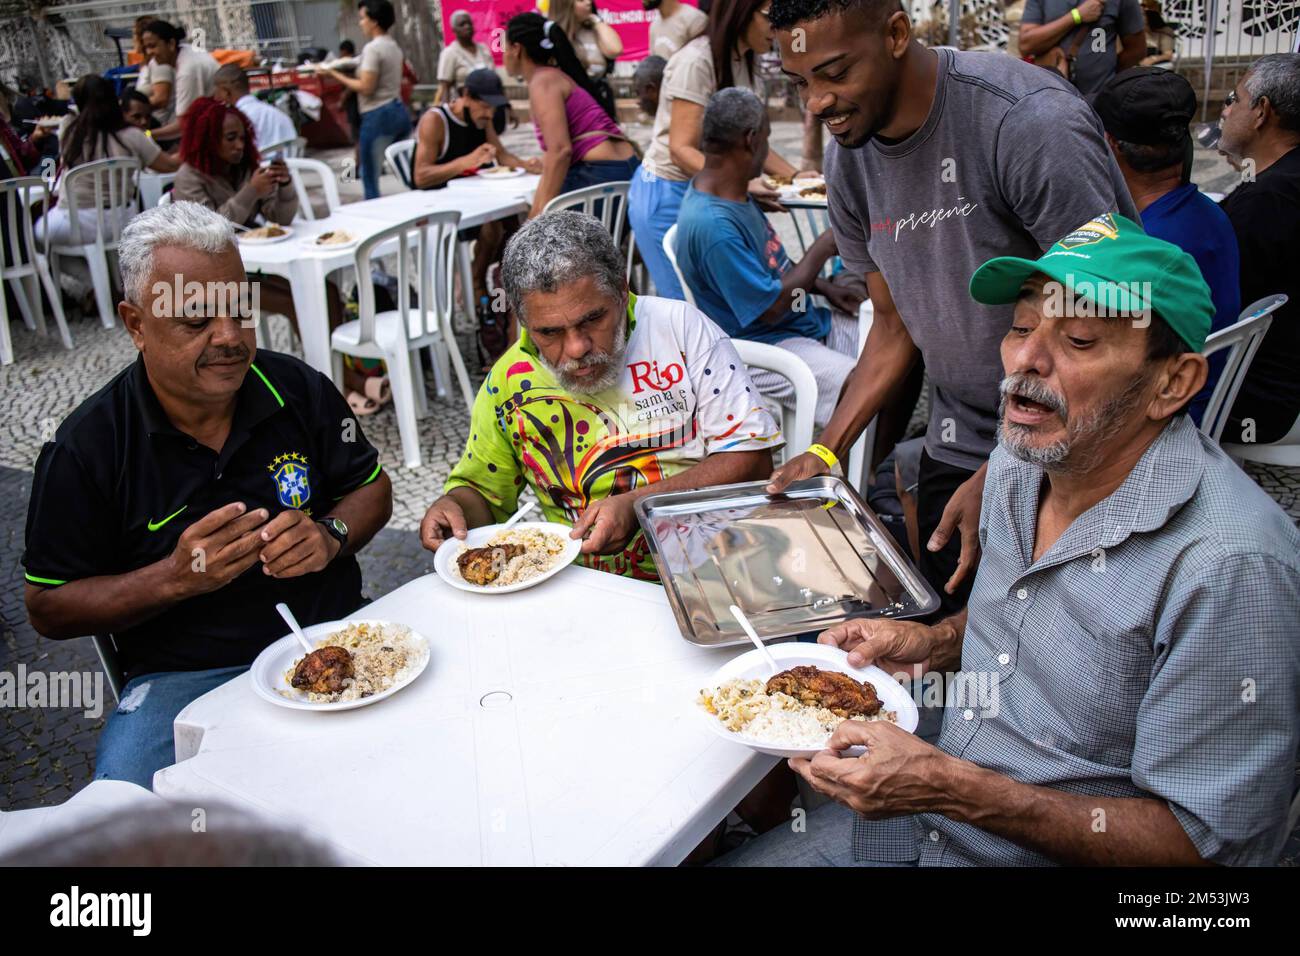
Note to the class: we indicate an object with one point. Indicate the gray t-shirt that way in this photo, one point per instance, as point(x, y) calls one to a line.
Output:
point(1009, 160)
point(383, 57)
point(1119, 18)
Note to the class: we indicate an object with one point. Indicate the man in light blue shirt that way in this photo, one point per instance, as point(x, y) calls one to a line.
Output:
point(736, 267)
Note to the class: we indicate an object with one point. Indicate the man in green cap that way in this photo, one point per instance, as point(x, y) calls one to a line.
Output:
point(1128, 687)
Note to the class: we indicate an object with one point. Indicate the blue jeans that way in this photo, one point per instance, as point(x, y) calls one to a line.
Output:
point(827, 840)
point(137, 740)
point(592, 172)
point(652, 205)
point(380, 128)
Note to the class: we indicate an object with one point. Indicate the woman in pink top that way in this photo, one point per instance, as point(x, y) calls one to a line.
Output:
point(583, 144)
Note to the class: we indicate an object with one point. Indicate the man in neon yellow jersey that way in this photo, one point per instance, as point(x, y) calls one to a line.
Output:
point(201, 486)
point(605, 397)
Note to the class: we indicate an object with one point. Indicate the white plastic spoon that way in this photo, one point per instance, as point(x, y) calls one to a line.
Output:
point(293, 626)
point(514, 518)
point(739, 615)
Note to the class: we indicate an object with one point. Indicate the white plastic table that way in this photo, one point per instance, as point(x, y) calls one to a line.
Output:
point(307, 266)
point(97, 800)
point(553, 726)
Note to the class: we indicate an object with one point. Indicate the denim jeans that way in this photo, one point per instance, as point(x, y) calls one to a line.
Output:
point(586, 172)
point(137, 740)
point(652, 205)
point(380, 128)
point(826, 839)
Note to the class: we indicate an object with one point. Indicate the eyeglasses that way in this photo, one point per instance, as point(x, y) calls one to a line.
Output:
point(1230, 99)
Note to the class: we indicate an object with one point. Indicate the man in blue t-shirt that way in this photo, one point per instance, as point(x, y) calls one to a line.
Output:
point(1145, 111)
point(735, 266)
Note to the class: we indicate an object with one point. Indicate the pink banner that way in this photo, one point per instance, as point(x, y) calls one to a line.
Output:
point(490, 17)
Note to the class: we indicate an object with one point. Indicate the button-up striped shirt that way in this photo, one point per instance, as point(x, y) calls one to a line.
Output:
point(1153, 651)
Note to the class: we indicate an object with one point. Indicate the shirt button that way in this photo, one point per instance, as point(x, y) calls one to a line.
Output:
point(1004, 658)
point(1022, 594)
point(968, 715)
point(934, 836)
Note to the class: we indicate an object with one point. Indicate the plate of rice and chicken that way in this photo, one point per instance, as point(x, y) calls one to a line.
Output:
point(495, 561)
point(794, 712)
point(353, 664)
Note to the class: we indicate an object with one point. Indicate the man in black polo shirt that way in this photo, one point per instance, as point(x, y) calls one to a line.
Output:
point(197, 489)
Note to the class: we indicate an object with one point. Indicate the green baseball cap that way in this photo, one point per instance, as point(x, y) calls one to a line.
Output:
point(1112, 262)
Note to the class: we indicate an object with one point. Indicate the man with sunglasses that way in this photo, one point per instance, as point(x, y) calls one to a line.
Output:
point(1261, 132)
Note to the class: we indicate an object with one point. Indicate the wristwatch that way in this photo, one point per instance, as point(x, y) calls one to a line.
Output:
point(337, 529)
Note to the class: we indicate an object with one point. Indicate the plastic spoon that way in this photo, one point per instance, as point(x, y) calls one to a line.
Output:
point(293, 626)
point(514, 518)
point(739, 615)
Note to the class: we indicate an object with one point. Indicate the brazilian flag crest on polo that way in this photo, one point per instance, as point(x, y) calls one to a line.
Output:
point(1110, 261)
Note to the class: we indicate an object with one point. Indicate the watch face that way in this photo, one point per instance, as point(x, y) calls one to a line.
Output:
point(339, 526)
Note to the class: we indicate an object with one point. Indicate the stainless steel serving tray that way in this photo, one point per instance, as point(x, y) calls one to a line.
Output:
point(795, 562)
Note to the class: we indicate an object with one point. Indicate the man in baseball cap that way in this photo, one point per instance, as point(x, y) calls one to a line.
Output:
point(1127, 564)
point(1146, 112)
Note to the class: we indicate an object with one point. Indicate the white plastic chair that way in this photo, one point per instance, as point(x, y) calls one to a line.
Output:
point(809, 223)
point(1284, 451)
point(106, 648)
point(22, 265)
point(425, 250)
point(112, 182)
point(285, 148)
point(670, 250)
point(796, 420)
point(298, 169)
point(610, 200)
point(165, 199)
point(1241, 339)
point(398, 157)
point(858, 470)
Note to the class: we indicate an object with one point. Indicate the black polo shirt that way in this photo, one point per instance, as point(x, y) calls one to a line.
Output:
point(119, 484)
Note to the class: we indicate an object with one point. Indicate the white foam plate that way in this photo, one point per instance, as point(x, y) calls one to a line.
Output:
point(268, 671)
point(791, 192)
point(444, 559)
point(266, 240)
point(500, 172)
point(315, 243)
point(752, 666)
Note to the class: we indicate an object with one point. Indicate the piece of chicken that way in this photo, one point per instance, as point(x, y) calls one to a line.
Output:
point(484, 565)
point(838, 693)
point(323, 671)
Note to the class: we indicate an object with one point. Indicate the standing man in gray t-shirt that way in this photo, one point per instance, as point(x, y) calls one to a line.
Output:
point(941, 161)
point(1111, 36)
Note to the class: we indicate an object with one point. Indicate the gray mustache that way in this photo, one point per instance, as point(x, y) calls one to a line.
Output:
point(1032, 389)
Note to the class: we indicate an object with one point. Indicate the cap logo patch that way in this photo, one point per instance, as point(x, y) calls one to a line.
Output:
point(1103, 227)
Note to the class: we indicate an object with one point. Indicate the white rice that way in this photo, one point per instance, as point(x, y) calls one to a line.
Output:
point(383, 656)
point(776, 720)
point(542, 552)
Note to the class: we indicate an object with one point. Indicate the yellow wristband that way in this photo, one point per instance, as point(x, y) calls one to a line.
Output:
point(1078, 18)
point(825, 454)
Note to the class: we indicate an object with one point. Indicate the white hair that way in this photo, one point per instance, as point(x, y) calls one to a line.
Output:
point(1277, 76)
point(558, 248)
point(458, 15)
point(186, 225)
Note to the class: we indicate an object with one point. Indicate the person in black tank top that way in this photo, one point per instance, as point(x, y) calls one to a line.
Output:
point(451, 140)
point(457, 137)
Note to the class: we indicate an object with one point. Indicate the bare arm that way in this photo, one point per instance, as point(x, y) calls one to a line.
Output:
point(1132, 49)
point(365, 512)
point(428, 173)
point(607, 39)
point(364, 82)
point(546, 98)
point(687, 123)
point(160, 94)
point(210, 553)
point(1070, 828)
point(165, 162)
point(507, 158)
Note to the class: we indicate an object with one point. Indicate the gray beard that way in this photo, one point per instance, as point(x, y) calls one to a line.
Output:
point(1085, 437)
point(611, 362)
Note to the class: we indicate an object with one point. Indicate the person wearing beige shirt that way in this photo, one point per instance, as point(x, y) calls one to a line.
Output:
point(690, 78)
point(460, 58)
point(378, 85)
point(676, 25)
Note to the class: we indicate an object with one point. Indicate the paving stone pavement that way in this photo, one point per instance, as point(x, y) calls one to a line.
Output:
point(47, 754)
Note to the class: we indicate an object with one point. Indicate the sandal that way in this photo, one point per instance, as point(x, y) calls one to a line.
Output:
point(378, 390)
point(362, 405)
